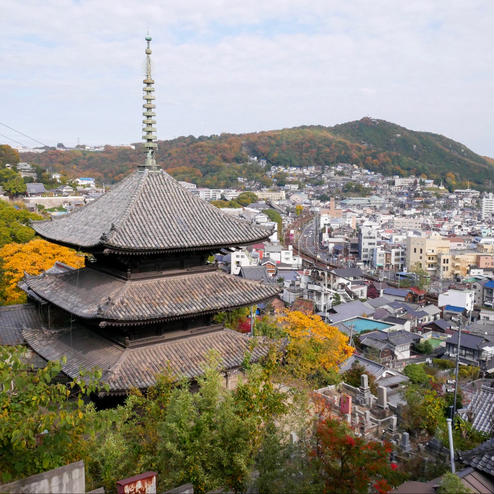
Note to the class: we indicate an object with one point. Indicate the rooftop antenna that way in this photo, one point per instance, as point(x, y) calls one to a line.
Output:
point(149, 106)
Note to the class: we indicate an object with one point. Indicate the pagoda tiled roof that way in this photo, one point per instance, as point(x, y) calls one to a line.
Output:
point(126, 368)
point(93, 294)
point(14, 318)
point(148, 212)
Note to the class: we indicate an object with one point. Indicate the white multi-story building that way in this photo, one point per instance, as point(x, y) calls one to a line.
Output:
point(367, 242)
point(208, 194)
point(487, 204)
point(240, 258)
point(457, 298)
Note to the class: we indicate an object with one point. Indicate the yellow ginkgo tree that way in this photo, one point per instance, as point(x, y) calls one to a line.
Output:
point(314, 347)
point(32, 258)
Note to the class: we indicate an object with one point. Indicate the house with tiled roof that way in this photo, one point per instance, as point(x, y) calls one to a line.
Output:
point(147, 297)
point(474, 350)
point(480, 410)
point(391, 345)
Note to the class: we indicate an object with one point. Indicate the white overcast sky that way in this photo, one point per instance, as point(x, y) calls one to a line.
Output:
point(74, 69)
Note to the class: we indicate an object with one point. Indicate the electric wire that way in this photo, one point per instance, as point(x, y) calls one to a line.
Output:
point(25, 135)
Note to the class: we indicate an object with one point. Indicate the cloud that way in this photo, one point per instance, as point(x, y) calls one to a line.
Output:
point(75, 68)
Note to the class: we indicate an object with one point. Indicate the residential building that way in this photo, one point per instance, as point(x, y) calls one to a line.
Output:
point(474, 350)
point(431, 254)
point(26, 170)
point(85, 181)
point(487, 206)
point(367, 242)
point(390, 345)
point(457, 298)
point(239, 259)
point(208, 194)
point(488, 294)
point(271, 195)
point(35, 189)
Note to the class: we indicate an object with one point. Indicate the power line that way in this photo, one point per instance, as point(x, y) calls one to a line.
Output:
point(13, 140)
point(25, 135)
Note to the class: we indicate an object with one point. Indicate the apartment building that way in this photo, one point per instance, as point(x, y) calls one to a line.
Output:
point(487, 206)
point(431, 254)
point(367, 243)
point(271, 195)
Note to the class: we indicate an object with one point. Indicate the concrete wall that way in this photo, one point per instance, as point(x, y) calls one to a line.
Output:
point(68, 479)
point(53, 202)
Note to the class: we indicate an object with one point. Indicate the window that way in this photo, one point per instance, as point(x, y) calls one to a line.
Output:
point(421, 251)
point(415, 250)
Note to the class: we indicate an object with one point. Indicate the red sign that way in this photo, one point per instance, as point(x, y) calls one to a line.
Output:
point(145, 483)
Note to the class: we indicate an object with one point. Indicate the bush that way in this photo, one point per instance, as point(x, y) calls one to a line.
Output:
point(443, 364)
point(424, 347)
point(416, 373)
point(451, 484)
point(469, 372)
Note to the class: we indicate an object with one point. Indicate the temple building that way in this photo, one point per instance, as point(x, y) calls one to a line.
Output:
point(146, 299)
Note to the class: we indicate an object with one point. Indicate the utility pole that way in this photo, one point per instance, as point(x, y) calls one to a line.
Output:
point(451, 446)
point(460, 323)
point(251, 320)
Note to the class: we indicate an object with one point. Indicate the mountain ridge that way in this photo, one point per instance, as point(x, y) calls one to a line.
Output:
point(217, 160)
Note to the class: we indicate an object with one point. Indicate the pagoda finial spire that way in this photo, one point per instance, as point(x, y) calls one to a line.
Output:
point(148, 130)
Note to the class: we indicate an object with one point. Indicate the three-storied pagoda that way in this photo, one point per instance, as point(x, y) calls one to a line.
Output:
point(146, 299)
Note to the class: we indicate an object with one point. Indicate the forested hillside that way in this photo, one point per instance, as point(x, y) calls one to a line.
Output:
point(217, 161)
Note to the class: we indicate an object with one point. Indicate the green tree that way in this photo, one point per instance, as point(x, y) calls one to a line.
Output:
point(41, 422)
point(422, 277)
point(416, 373)
point(424, 411)
point(274, 216)
point(424, 347)
point(14, 221)
point(451, 484)
point(8, 155)
point(352, 377)
point(246, 198)
point(12, 182)
point(210, 438)
point(283, 465)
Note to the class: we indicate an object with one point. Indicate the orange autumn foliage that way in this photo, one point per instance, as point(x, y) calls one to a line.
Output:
point(313, 345)
point(32, 258)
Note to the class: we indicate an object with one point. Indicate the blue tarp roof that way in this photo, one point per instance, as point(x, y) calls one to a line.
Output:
point(489, 284)
point(454, 308)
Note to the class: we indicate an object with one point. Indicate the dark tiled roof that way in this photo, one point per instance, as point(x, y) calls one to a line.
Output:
point(396, 292)
point(92, 294)
point(399, 337)
point(350, 310)
point(370, 366)
point(480, 411)
point(467, 340)
point(14, 318)
point(349, 272)
point(379, 301)
point(35, 188)
point(481, 458)
point(440, 323)
point(149, 211)
point(125, 368)
point(255, 273)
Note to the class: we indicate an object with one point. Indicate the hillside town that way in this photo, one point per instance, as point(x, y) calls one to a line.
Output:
point(330, 333)
point(403, 267)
